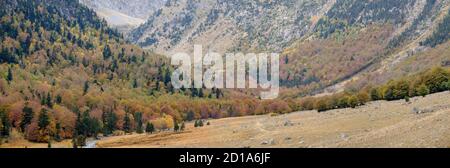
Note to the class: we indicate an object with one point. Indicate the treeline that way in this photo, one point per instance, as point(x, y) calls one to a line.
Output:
point(350, 13)
point(441, 34)
point(431, 81)
point(411, 31)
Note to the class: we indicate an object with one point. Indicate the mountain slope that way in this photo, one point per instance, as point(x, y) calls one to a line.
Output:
point(65, 74)
point(124, 14)
point(350, 44)
point(325, 44)
point(223, 25)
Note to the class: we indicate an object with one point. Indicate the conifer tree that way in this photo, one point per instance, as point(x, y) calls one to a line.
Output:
point(150, 128)
point(27, 116)
point(49, 100)
point(6, 124)
point(86, 87)
point(139, 124)
point(176, 127)
point(127, 123)
point(107, 52)
point(109, 122)
point(9, 77)
point(58, 99)
point(44, 119)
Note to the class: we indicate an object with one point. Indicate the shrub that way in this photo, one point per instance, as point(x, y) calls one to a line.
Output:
point(343, 102)
point(118, 133)
point(422, 90)
point(321, 105)
point(435, 78)
point(353, 101)
point(401, 89)
point(375, 94)
point(363, 97)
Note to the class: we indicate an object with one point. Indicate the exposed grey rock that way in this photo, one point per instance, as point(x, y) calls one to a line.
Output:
point(288, 123)
point(425, 110)
point(268, 142)
point(344, 136)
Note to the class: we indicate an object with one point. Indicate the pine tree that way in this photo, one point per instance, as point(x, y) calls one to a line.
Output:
point(6, 124)
point(43, 100)
point(86, 87)
point(135, 84)
point(139, 124)
point(194, 92)
point(58, 132)
point(200, 93)
point(58, 99)
point(79, 127)
point(1, 128)
point(49, 100)
point(176, 127)
point(78, 137)
point(190, 115)
point(9, 77)
point(27, 116)
point(44, 119)
point(167, 77)
point(107, 52)
point(150, 128)
point(109, 122)
point(127, 123)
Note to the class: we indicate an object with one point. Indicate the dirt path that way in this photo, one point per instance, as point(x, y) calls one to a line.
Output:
point(378, 124)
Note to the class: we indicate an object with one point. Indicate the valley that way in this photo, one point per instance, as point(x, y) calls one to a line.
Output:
point(71, 71)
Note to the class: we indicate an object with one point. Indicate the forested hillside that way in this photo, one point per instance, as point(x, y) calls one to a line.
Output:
point(65, 74)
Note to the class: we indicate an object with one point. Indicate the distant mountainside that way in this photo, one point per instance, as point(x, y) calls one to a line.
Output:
point(223, 25)
point(124, 14)
point(325, 43)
